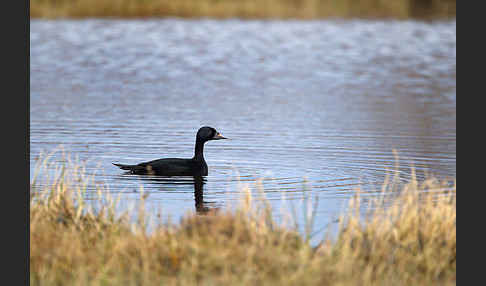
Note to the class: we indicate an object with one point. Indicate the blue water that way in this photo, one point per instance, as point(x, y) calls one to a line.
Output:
point(314, 109)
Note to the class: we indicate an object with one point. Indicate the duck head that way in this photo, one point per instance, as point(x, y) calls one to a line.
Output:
point(207, 133)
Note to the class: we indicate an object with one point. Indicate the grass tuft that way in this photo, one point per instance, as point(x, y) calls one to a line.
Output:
point(409, 240)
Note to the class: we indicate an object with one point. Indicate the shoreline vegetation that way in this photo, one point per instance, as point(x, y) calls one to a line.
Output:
point(410, 240)
point(244, 9)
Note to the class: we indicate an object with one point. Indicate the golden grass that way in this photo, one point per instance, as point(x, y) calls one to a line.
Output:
point(301, 9)
point(412, 241)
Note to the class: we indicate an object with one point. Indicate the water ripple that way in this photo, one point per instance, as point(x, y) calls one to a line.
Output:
point(313, 108)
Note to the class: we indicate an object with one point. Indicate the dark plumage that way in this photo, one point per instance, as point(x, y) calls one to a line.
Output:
point(196, 166)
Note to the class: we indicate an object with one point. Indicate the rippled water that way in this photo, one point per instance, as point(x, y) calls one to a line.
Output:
point(314, 108)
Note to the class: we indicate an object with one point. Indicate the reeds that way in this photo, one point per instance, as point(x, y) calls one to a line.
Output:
point(300, 9)
point(409, 240)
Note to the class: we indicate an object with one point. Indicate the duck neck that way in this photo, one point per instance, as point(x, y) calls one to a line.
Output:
point(198, 151)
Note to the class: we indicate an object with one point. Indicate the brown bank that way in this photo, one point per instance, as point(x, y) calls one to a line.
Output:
point(262, 9)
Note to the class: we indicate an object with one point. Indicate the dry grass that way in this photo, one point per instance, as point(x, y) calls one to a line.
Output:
point(301, 9)
point(410, 242)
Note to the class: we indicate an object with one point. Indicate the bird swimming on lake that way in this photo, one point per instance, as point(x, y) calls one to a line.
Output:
point(196, 166)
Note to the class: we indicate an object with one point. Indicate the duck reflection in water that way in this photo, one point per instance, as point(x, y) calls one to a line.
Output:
point(199, 197)
point(163, 183)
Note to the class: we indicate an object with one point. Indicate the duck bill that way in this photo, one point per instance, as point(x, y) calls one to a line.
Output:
point(218, 136)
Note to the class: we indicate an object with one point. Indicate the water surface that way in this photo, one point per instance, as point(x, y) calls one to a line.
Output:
point(313, 108)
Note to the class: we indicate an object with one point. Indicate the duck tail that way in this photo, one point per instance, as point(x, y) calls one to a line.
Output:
point(125, 167)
